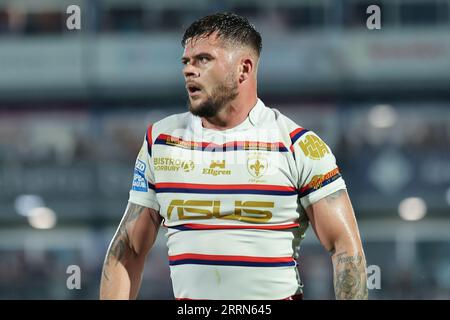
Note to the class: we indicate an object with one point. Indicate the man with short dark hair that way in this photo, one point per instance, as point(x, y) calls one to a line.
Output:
point(235, 183)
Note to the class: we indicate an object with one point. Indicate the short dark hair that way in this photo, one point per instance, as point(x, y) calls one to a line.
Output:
point(229, 26)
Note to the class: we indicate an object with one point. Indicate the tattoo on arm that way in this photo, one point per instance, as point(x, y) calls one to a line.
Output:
point(121, 241)
point(350, 278)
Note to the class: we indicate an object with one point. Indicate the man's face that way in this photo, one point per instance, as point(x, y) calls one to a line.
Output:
point(210, 73)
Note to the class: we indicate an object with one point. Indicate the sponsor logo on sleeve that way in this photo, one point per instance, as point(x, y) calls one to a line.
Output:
point(313, 147)
point(139, 180)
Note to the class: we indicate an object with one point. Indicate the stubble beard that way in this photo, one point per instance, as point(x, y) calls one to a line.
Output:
point(221, 95)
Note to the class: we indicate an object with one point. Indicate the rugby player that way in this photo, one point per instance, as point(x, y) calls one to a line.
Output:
point(235, 184)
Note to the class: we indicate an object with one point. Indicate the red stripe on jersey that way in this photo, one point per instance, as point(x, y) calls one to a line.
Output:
point(230, 144)
point(211, 257)
point(293, 133)
point(224, 186)
point(149, 135)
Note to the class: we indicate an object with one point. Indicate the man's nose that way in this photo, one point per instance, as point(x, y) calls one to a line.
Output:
point(190, 71)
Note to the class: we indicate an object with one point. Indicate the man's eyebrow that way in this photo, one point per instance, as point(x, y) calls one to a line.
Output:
point(197, 56)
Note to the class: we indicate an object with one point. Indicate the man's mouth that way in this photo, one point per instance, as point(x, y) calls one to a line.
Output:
point(193, 89)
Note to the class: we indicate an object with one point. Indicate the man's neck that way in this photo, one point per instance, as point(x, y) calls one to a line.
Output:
point(231, 116)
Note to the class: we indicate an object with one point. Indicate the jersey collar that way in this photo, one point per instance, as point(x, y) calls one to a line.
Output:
point(253, 119)
point(256, 112)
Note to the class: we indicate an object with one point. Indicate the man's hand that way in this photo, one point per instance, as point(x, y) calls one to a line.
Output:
point(125, 259)
point(334, 223)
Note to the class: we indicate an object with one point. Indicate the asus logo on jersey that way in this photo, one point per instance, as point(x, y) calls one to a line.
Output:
point(246, 211)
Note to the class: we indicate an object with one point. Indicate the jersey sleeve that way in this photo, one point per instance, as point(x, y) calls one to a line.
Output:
point(318, 172)
point(143, 186)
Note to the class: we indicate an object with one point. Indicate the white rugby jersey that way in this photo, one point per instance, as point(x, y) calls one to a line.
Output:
point(233, 201)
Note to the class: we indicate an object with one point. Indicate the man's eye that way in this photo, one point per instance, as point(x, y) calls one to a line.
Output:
point(204, 59)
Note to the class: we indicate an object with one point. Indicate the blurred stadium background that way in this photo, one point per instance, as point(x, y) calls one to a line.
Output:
point(74, 106)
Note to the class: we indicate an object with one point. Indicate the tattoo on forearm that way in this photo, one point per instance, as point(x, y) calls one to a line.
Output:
point(350, 278)
point(121, 241)
point(334, 195)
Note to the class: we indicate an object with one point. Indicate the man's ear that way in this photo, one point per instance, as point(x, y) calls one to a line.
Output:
point(245, 69)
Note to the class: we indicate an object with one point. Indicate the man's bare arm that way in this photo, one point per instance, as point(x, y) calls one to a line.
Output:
point(333, 220)
point(125, 259)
